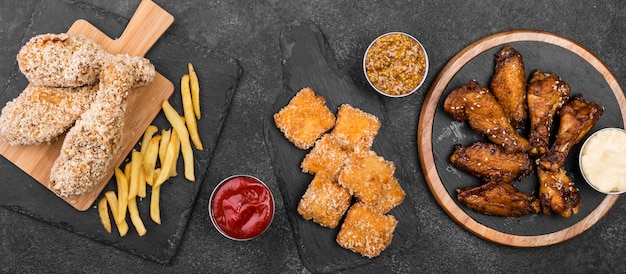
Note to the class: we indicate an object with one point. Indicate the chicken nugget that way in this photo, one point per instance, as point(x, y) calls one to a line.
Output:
point(305, 118)
point(392, 195)
point(326, 157)
point(355, 129)
point(366, 231)
point(365, 175)
point(324, 202)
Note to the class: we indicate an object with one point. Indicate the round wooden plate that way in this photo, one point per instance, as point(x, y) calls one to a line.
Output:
point(438, 133)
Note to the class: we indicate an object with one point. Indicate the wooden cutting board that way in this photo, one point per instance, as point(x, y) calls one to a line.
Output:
point(145, 27)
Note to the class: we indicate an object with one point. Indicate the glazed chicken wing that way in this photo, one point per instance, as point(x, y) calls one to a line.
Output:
point(577, 117)
point(557, 192)
point(508, 85)
point(477, 105)
point(546, 94)
point(489, 162)
point(498, 199)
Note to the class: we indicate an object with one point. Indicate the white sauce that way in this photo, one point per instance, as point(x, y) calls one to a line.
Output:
point(603, 160)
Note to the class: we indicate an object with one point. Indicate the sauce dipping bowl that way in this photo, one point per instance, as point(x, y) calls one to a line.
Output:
point(395, 64)
point(241, 207)
point(602, 160)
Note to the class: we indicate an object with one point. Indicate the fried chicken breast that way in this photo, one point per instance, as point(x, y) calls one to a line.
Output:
point(477, 105)
point(546, 95)
point(508, 85)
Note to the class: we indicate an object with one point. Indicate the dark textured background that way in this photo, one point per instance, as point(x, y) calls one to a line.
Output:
point(249, 32)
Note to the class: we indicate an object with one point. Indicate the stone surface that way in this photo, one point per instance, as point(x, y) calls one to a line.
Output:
point(249, 32)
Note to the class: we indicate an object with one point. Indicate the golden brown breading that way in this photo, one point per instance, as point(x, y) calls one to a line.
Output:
point(508, 85)
point(489, 162)
point(498, 199)
point(61, 60)
point(305, 118)
point(476, 105)
point(324, 202)
point(91, 143)
point(326, 158)
point(40, 114)
point(366, 231)
point(557, 192)
point(355, 129)
point(577, 117)
point(546, 94)
point(365, 175)
point(391, 196)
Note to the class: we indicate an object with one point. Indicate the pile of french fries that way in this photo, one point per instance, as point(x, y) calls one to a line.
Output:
point(142, 169)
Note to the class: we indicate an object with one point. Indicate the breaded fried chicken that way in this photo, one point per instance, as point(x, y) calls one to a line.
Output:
point(90, 145)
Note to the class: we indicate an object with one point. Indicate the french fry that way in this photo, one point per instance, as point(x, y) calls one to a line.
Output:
point(150, 158)
point(195, 90)
point(141, 191)
point(134, 174)
point(169, 159)
point(155, 211)
point(122, 227)
point(122, 195)
point(188, 112)
point(165, 140)
point(127, 168)
point(176, 146)
point(173, 117)
point(135, 218)
point(103, 211)
point(147, 135)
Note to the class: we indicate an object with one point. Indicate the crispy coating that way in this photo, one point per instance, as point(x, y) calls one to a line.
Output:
point(489, 162)
point(498, 199)
point(546, 95)
point(508, 85)
point(577, 117)
point(324, 202)
point(476, 105)
point(366, 231)
point(61, 60)
point(326, 158)
point(355, 129)
point(391, 196)
point(40, 114)
point(90, 144)
point(305, 118)
point(365, 176)
point(557, 192)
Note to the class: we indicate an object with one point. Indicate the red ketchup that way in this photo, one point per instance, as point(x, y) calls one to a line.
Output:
point(241, 207)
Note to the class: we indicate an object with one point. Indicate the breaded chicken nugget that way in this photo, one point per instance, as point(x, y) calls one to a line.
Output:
point(366, 231)
point(355, 129)
point(324, 202)
point(305, 118)
point(326, 157)
point(61, 60)
point(365, 176)
point(391, 196)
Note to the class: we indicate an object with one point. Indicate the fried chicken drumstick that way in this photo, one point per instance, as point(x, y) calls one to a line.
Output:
point(508, 85)
point(489, 162)
point(477, 105)
point(89, 145)
point(546, 94)
point(498, 199)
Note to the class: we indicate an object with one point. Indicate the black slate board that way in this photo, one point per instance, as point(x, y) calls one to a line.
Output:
point(582, 78)
point(308, 62)
point(218, 75)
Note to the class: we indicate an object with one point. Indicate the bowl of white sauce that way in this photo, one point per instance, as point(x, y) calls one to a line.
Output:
point(602, 160)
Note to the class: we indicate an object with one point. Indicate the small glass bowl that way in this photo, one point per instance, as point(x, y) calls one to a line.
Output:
point(582, 155)
point(231, 184)
point(387, 67)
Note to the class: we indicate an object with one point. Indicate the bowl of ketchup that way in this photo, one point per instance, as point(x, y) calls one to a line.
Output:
point(241, 207)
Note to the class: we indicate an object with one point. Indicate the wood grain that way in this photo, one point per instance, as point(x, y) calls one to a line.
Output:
point(425, 139)
point(145, 27)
